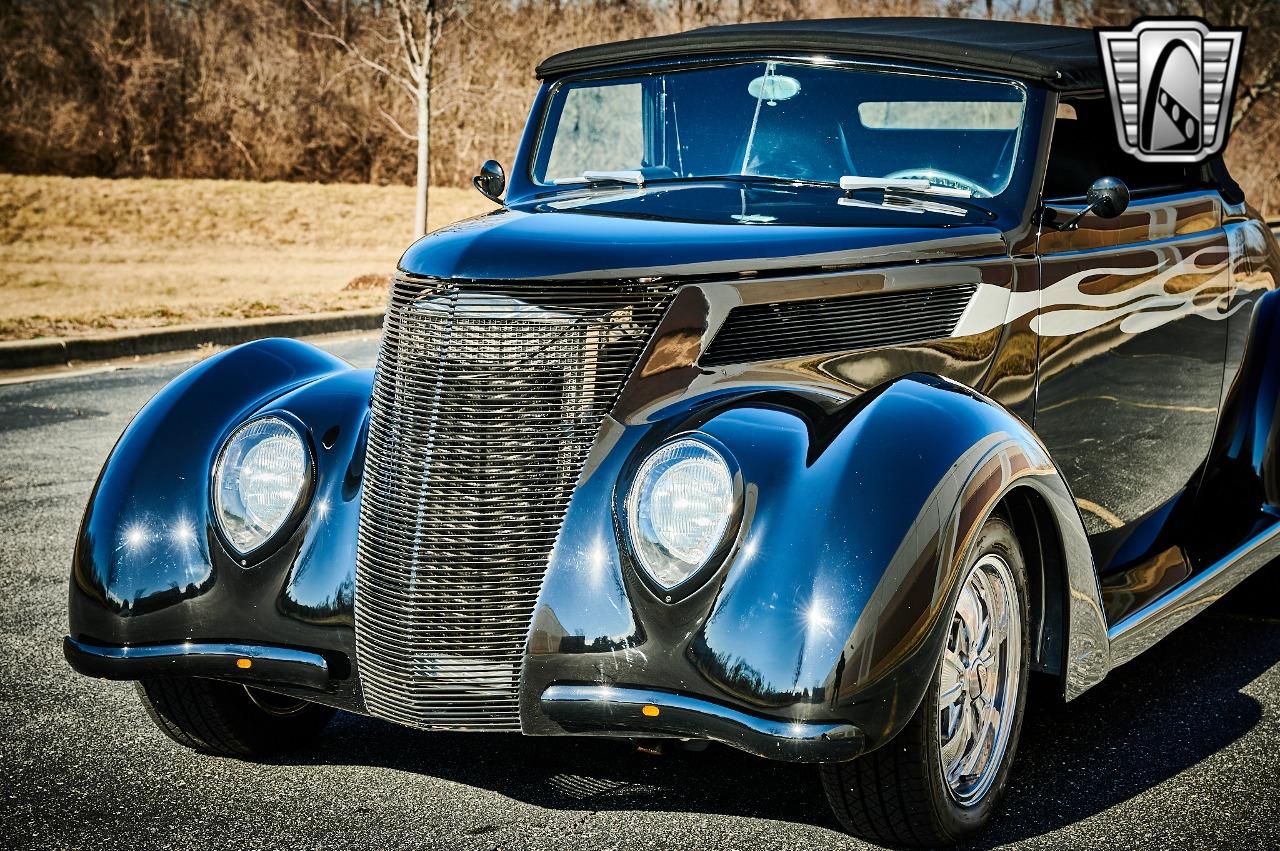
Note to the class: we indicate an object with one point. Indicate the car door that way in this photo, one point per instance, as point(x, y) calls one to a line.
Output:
point(1131, 342)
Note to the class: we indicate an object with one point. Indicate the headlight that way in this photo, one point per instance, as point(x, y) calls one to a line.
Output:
point(678, 509)
point(258, 479)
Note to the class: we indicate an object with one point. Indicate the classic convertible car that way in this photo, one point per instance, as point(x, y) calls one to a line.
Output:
point(814, 385)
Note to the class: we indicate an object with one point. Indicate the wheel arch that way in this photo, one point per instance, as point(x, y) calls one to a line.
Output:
point(150, 567)
point(1038, 535)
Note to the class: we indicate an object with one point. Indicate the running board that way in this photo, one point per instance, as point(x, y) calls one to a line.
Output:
point(1143, 628)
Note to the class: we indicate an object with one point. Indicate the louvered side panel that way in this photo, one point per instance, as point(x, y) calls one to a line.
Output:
point(826, 326)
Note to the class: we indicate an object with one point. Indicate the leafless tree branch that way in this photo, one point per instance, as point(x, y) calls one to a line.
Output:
point(395, 125)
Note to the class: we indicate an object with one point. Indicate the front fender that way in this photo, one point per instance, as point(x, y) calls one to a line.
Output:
point(149, 567)
point(831, 606)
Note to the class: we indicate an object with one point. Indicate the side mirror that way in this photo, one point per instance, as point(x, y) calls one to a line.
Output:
point(1107, 198)
point(492, 180)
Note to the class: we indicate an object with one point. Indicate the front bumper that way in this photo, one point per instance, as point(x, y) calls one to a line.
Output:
point(646, 712)
point(253, 663)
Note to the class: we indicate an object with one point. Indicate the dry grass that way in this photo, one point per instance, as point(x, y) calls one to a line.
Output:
point(83, 254)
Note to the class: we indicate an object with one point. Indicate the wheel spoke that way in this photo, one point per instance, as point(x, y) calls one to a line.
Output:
point(953, 752)
point(954, 770)
point(952, 666)
point(982, 607)
point(978, 729)
point(992, 679)
point(949, 719)
point(948, 695)
point(967, 611)
point(997, 632)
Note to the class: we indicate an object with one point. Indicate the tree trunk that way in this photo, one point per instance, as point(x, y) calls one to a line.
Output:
point(424, 155)
point(424, 116)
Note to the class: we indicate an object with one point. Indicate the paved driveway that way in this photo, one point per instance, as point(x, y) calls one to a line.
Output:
point(1179, 749)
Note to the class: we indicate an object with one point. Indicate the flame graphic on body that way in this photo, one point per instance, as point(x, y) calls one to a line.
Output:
point(1066, 309)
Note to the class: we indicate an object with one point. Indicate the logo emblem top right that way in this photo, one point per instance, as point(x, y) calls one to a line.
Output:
point(1171, 82)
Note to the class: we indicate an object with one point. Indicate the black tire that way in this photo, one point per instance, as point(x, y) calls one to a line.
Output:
point(897, 794)
point(229, 719)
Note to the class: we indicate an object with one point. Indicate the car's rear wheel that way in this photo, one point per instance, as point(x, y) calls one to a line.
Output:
point(228, 718)
point(940, 779)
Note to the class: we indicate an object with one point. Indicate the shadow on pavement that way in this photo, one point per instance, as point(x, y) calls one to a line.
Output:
point(1148, 721)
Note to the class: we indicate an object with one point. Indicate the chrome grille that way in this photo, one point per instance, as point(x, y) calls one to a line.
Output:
point(486, 401)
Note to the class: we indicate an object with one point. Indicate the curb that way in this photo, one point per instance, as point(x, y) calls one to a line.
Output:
point(59, 351)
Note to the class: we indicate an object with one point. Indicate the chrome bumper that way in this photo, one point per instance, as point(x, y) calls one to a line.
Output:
point(241, 662)
point(642, 712)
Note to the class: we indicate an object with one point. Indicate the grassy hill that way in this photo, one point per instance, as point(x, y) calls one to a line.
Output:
point(78, 255)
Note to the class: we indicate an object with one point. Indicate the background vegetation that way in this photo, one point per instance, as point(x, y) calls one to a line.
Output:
point(218, 121)
point(270, 89)
point(79, 255)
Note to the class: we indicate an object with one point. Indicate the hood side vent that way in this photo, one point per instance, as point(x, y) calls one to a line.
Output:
point(793, 329)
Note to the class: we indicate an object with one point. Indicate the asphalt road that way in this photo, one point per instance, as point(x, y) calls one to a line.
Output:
point(1179, 749)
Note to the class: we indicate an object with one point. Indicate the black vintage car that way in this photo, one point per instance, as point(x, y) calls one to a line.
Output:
point(815, 384)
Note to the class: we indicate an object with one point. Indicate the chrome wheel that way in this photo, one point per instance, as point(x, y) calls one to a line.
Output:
point(979, 679)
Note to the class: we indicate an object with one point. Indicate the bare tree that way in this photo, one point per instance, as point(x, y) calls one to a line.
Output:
point(414, 31)
point(244, 89)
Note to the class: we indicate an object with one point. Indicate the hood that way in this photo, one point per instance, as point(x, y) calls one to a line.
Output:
point(700, 230)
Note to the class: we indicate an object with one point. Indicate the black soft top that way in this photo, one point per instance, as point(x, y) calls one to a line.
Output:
point(1062, 58)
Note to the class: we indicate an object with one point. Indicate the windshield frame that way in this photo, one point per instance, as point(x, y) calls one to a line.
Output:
point(538, 133)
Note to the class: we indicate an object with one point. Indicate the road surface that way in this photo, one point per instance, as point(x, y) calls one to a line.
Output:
point(1181, 748)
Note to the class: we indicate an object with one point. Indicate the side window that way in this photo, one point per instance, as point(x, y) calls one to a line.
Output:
point(1084, 148)
point(601, 128)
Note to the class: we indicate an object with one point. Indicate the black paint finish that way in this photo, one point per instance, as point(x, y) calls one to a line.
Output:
point(139, 578)
point(865, 470)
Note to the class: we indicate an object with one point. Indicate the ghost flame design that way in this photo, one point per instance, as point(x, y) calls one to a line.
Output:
point(1066, 309)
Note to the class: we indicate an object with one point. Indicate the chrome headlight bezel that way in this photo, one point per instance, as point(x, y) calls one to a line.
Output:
point(275, 539)
point(631, 489)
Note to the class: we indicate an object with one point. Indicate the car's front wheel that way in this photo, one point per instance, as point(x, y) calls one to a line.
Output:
point(939, 780)
point(230, 719)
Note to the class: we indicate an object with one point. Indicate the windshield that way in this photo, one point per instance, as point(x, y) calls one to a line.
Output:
point(783, 121)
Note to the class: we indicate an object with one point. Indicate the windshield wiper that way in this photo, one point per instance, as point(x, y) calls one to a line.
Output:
point(906, 205)
point(632, 176)
point(902, 184)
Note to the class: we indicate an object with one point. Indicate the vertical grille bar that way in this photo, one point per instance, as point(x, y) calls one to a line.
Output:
point(486, 401)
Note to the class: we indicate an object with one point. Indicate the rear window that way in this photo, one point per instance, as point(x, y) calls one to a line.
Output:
point(940, 115)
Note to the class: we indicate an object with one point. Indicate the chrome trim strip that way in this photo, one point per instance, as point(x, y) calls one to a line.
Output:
point(280, 665)
point(581, 708)
point(1145, 627)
